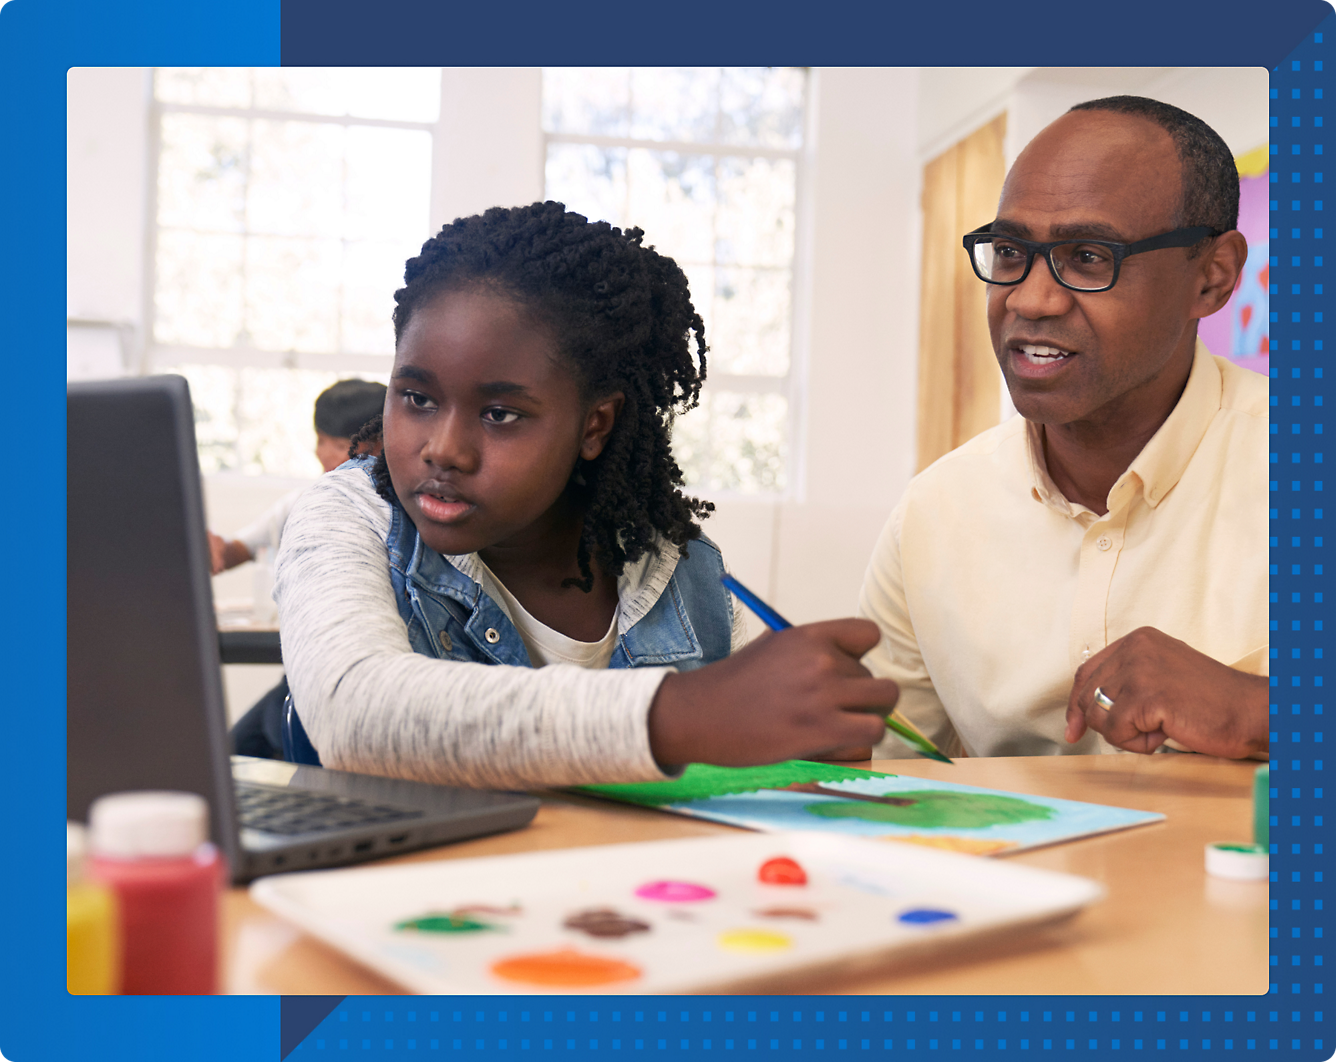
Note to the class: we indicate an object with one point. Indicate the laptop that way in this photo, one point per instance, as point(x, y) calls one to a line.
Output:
point(145, 706)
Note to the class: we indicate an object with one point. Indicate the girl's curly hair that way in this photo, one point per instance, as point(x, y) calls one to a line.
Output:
point(622, 319)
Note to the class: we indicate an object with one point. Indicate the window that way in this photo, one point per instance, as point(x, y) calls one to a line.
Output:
point(706, 161)
point(285, 204)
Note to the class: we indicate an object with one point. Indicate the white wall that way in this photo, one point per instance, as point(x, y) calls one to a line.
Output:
point(107, 152)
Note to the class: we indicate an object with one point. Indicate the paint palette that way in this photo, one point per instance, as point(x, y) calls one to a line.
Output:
point(735, 913)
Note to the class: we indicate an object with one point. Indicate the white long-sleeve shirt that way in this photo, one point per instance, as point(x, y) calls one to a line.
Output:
point(371, 704)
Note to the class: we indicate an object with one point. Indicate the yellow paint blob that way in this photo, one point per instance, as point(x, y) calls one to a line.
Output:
point(968, 845)
point(753, 940)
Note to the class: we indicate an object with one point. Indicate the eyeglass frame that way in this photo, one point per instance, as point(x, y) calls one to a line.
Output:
point(1177, 238)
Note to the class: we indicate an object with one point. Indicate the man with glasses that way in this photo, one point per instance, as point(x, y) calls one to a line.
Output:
point(1091, 575)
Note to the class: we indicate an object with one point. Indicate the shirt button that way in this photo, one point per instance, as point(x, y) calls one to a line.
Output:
point(1104, 543)
point(446, 643)
point(491, 635)
point(1085, 653)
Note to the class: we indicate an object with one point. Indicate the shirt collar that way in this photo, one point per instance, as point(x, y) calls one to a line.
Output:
point(1155, 471)
point(639, 587)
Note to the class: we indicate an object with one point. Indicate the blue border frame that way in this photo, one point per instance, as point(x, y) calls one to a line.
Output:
point(41, 39)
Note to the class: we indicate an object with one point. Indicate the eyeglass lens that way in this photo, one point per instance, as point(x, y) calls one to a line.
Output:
point(1079, 265)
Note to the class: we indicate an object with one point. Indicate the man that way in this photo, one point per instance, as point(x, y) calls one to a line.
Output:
point(1091, 575)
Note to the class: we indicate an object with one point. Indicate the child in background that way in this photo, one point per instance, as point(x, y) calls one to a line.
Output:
point(341, 411)
point(517, 593)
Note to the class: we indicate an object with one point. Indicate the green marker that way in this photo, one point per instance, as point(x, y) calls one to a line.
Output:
point(776, 622)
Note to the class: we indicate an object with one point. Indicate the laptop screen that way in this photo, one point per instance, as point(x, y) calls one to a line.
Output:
point(145, 705)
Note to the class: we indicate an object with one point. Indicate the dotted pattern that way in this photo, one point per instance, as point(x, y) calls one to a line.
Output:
point(793, 1027)
point(1287, 1020)
point(1298, 611)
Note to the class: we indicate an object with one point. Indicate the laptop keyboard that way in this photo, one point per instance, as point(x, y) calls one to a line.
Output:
point(293, 811)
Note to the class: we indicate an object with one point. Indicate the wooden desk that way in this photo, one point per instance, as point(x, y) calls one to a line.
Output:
point(1165, 927)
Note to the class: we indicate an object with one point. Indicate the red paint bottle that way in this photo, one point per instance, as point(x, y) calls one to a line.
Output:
point(151, 849)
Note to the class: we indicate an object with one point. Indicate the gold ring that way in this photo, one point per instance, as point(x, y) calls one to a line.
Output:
point(1103, 699)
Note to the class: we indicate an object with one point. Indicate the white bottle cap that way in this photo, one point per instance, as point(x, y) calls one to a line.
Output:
point(149, 824)
point(75, 846)
point(1243, 862)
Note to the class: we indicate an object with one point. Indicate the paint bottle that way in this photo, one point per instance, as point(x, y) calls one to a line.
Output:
point(1262, 805)
point(151, 848)
point(92, 958)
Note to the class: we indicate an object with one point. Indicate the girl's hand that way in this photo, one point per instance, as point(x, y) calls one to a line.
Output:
point(790, 694)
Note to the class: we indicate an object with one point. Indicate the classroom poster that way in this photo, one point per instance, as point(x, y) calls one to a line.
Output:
point(41, 39)
point(1242, 330)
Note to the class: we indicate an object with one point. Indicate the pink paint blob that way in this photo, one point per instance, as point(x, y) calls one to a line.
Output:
point(674, 892)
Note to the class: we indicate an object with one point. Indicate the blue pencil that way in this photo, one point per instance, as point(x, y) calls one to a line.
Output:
point(776, 622)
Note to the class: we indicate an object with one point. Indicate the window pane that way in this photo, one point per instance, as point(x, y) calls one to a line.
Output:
point(589, 180)
point(206, 86)
point(275, 420)
point(756, 211)
point(198, 293)
point(733, 442)
point(202, 172)
point(257, 420)
point(388, 188)
point(404, 95)
point(750, 330)
point(213, 392)
point(762, 106)
point(372, 273)
point(672, 198)
point(593, 101)
point(675, 104)
point(292, 293)
point(296, 184)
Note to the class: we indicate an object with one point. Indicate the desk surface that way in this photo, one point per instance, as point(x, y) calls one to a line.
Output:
point(1164, 928)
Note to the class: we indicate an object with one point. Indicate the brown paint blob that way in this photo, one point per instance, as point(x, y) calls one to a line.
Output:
point(605, 922)
point(782, 871)
point(564, 968)
point(805, 913)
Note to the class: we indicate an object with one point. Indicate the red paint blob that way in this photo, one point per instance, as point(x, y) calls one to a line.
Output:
point(564, 968)
point(782, 871)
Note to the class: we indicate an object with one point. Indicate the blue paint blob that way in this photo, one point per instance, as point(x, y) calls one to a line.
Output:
point(923, 916)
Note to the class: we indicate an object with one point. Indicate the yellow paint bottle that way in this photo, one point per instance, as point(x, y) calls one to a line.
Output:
point(92, 951)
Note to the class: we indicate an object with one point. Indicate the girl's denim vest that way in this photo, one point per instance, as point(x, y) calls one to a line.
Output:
point(450, 617)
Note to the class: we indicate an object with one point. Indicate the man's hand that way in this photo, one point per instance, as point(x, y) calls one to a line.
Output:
point(1163, 688)
point(790, 694)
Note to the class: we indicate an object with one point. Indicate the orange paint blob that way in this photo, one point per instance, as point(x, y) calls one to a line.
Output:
point(564, 968)
point(782, 871)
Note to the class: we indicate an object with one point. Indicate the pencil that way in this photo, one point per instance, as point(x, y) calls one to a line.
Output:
point(776, 622)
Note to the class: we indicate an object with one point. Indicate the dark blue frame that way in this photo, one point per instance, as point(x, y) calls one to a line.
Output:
point(40, 39)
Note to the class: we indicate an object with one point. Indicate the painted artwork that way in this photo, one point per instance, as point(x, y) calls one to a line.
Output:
point(801, 795)
point(730, 913)
point(1241, 331)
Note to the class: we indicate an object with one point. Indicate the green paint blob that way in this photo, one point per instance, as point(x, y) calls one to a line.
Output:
point(937, 808)
point(444, 923)
point(701, 781)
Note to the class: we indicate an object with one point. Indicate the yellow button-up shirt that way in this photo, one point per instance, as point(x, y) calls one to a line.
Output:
point(991, 588)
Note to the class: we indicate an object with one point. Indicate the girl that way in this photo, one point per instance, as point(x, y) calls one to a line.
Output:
point(526, 512)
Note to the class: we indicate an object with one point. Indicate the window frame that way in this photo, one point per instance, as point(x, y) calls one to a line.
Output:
point(791, 385)
point(156, 355)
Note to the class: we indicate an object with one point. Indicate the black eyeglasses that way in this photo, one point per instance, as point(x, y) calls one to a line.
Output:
point(1082, 265)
